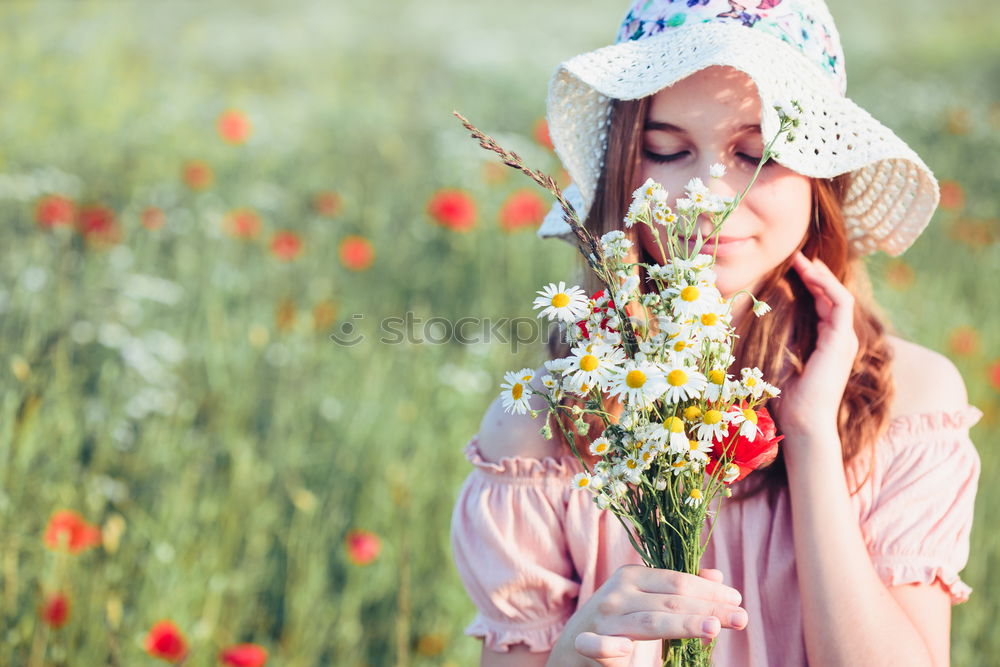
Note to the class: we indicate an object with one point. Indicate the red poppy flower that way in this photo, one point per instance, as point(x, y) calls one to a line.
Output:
point(243, 655)
point(327, 203)
point(952, 195)
point(243, 223)
point(153, 217)
point(362, 546)
point(899, 274)
point(197, 175)
point(453, 209)
point(98, 224)
point(54, 610)
point(286, 245)
point(541, 133)
point(67, 530)
point(356, 253)
point(523, 208)
point(166, 642)
point(964, 341)
point(994, 374)
point(55, 211)
point(233, 126)
point(748, 455)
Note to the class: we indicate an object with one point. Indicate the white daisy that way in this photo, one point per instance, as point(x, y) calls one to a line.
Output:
point(615, 245)
point(631, 468)
point(747, 419)
point(638, 382)
point(660, 483)
point(594, 363)
point(647, 454)
point(693, 498)
point(753, 380)
point(600, 446)
point(617, 488)
point(685, 348)
point(716, 383)
point(603, 501)
point(677, 440)
point(713, 425)
point(683, 382)
point(731, 472)
point(557, 302)
point(691, 300)
point(680, 465)
point(698, 451)
point(517, 391)
point(582, 480)
point(713, 325)
point(717, 170)
point(759, 308)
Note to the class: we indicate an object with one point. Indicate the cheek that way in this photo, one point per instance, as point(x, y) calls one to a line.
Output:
point(784, 206)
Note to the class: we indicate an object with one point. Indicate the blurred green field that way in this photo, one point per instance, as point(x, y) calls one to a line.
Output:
point(180, 384)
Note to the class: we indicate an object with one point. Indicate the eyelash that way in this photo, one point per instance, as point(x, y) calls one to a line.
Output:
point(656, 157)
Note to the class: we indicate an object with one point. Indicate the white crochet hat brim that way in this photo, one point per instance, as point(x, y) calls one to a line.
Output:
point(892, 194)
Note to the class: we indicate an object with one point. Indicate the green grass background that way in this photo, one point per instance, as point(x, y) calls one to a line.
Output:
point(239, 465)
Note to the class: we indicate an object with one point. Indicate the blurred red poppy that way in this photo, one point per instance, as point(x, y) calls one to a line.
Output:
point(963, 341)
point(523, 208)
point(243, 655)
point(233, 126)
point(327, 203)
point(286, 245)
point(197, 174)
point(166, 642)
point(541, 133)
point(993, 371)
point(242, 223)
point(54, 610)
point(453, 209)
point(952, 195)
point(362, 546)
point(98, 224)
point(55, 211)
point(899, 274)
point(356, 253)
point(68, 530)
point(748, 455)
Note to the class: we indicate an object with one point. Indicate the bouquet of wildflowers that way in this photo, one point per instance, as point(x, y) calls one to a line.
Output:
point(689, 427)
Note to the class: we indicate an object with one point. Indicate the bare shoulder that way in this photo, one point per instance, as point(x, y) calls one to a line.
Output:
point(510, 434)
point(925, 380)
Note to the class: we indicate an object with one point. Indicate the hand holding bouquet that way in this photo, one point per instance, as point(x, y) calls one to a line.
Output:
point(690, 428)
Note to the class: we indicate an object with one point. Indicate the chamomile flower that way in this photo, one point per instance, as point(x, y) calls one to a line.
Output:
point(627, 289)
point(684, 348)
point(557, 302)
point(759, 308)
point(603, 501)
point(747, 419)
point(683, 382)
point(716, 384)
point(698, 451)
point(593, 363)
point(582, 480)
point(600, 446)
point(615, 245)
point(517, 391)
point(731, 472)
point(753, 380)
point(680, 465)
point(631, 468)
point(617, 488)
point(677, 440)
point(550, 382)
point(660, 483)
point(650, 191)
point(770, 389)
point(713, 425)
point(713, 325)
point(717, 170)
point(693, 498)
point(691, 300)
point(638, 382)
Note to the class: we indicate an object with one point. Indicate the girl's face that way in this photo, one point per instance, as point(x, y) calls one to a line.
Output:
point(699, 121)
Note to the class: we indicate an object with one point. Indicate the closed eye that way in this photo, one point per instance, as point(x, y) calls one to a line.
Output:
point(657, 157)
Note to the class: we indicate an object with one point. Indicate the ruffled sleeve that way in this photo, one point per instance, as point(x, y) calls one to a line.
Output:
point(921, 516)
point(510, 549)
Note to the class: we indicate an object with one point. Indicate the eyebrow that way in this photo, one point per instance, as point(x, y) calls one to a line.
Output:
point(670, 127)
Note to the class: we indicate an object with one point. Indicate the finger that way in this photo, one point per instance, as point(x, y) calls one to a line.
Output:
point(602, 647)
point(665, 581)
point(729, 615)
point(834, 302)
point(711, 574)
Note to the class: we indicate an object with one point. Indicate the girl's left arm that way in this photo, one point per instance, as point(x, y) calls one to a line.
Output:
point(850, 617)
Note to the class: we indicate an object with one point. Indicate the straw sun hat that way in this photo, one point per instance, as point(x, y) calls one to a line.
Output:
point(791, 50)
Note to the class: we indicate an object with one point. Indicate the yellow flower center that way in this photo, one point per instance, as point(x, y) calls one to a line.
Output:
point(560, 300)
point(674, 424)
point(750, 415)
point(635, 379)
point(601, 447)
point(696, 493)
point(680, 345)
point(517, 390)
point(525, 378)
point(690, 293)
point(631, 463)
point(692, 412)
point(717, 376)
point(583, 482)
point(679, 464)
point(712, 417)
point(693, 444)
point(588, 362)
point(710, 319)
point(584, 388)
point(677, 378)
point(751, 381)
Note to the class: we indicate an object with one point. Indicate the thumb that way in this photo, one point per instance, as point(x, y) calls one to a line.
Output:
point(608, 651)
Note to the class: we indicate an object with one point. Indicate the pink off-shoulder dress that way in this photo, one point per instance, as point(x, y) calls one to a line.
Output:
point(530, 548)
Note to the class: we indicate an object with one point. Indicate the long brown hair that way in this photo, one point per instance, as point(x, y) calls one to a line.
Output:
point(781, 342)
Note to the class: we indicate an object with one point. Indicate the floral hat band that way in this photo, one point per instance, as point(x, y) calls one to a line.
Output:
point(791, 50)
point(805, 25)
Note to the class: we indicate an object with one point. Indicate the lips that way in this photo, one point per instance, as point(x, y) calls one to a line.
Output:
point(720, 245)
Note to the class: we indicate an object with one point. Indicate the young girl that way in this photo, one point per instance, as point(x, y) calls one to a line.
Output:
point(847, 549)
